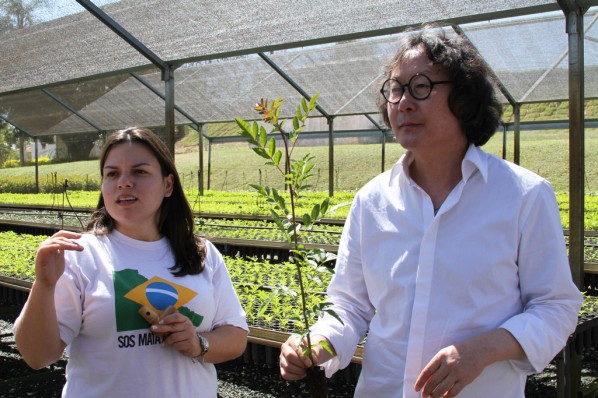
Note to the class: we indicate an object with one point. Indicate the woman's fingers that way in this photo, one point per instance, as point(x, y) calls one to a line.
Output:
point(49, 260)
point(180, 333)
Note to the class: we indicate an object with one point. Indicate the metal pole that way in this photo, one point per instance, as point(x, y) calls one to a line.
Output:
point(504, 141)
point(517, 135)
point(209, 162)
point(383, 152)
point(200, 185)
point(36, 143)
point(575, 29)
point(330, 156)
point(383, 130)
point(168, 78)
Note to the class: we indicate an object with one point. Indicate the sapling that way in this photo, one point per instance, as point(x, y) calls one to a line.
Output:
point(297, 174)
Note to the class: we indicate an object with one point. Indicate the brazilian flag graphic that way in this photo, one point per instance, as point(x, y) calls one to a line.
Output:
point(133, 290)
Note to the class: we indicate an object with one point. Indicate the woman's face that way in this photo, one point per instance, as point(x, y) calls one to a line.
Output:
point(133, 189)
point(424, 126)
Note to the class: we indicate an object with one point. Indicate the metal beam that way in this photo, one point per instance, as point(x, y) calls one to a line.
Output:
point(482, 17)
point(168, 78)
point(517, 135)
point(327, 115)
point(503, 89)
point(504, 141)
point(15, 125)
point(166, 68)
point(551, 125)
point(71, 109)
point(554, 65)
point(292, 83)
point(201, 162)
point(383, 130)
point(575, 31)
point(122, 33)
point(330, 156)
point(195, 124)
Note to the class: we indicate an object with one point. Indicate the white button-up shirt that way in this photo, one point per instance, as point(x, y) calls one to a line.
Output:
point(493, 256)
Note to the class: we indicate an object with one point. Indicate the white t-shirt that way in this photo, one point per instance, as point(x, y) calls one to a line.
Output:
point(492, 257)
point(111, 350)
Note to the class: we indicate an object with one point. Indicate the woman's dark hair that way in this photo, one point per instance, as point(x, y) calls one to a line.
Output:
point(473, 98)
point(176, 218)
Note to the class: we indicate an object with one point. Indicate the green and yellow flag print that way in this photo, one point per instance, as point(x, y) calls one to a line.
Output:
point(133, 290)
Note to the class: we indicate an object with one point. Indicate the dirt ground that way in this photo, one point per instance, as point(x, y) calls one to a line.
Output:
point(236, 379)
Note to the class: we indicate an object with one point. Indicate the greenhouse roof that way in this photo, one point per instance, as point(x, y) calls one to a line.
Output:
point(75, 74)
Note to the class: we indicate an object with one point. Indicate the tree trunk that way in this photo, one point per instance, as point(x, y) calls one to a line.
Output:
point(22, 150)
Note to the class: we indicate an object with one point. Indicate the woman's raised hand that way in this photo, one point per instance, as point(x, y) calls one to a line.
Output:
point(49, 261)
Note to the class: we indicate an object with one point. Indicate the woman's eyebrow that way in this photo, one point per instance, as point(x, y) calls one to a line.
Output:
point(107, 166)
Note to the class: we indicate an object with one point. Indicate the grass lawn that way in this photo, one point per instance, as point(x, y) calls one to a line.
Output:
point(234, 166)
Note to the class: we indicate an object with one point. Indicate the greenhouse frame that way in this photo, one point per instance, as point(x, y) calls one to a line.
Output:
point(198, 63)
point(186, 62)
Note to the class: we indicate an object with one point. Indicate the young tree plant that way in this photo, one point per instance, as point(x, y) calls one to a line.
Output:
point(297, 174)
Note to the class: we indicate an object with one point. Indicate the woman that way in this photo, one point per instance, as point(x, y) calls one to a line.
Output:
point(453, 262)
point(140, 254)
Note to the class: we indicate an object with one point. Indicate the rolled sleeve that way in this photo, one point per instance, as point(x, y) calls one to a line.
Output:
point(550, 298)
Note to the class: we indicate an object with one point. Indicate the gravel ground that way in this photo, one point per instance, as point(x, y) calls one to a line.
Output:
point(239, 378)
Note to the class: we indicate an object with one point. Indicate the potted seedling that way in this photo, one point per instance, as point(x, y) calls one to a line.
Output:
point(297, 174)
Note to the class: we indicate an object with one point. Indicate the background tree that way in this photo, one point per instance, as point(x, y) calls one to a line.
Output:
point(19, 14)
point(16, 14)
point(7, 141)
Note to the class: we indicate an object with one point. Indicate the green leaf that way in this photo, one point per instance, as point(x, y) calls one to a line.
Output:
point(245, 129)
point(279, 199)
point(276, 158)
point(271, 147)
point(266, 303)
point(277, 221)
point(315, 212)
point(312, 102)
point(334, 315)
point(296, 123)
point(255, 128)
point(306, 220)
point(261, 152)
point(304, 105)
point(324, 206)
point(263, 136)
point(293, 135)
point(326, 345)
point(260, 189)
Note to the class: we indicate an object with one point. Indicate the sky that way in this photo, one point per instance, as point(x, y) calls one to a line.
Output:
point(60, 8)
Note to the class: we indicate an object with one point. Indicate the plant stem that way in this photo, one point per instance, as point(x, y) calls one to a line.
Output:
point(295, 240)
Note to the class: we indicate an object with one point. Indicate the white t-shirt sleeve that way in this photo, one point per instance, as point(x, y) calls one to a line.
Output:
point(228, 308)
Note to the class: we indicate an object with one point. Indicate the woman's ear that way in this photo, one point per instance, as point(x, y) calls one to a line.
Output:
point(169, 185)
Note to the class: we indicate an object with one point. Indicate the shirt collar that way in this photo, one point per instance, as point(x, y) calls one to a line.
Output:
point(474, 160)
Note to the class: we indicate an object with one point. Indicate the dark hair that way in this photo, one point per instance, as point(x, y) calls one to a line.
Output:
point(473, 99)
point(176, 218)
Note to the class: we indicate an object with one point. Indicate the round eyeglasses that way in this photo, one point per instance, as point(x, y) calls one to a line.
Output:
point(420, 86)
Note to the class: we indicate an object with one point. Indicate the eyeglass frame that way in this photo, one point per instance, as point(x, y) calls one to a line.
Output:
point(408, 85)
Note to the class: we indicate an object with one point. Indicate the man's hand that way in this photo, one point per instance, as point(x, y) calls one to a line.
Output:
point(294, 365)
point(454, 367)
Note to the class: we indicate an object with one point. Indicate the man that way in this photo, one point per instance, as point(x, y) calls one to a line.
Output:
point(454, 261)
